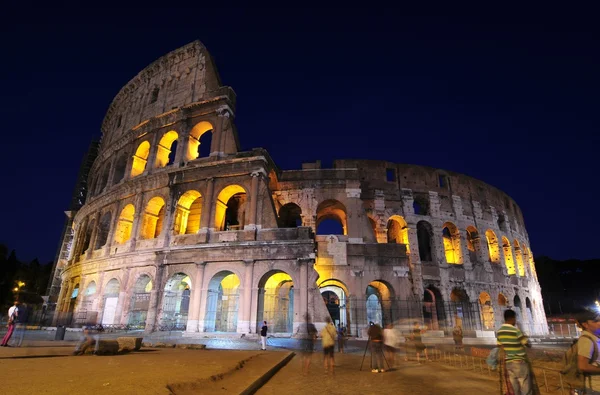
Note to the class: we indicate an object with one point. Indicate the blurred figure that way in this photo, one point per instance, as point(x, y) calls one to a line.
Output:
point(328, 336)
point(513, 343)
point(13, 317)
point(457, 335)
point(376, 338)
point(391, 340)
point(87, 340)
point(340, 336)
point(588, 357)
point(263, 336)
point(307, 332)
point(417, 339)
point(21, 325)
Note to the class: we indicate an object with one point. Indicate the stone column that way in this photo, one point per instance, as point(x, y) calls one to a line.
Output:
point(137, 219)
point(153, 306)
point(111, 174)
point(93, 236)
point(245, 310)
point(182, 145)
point(253, 201)
point(124, 299)
point(302, 308)
point(59, 302)
point(151, 161)
point(207, 210)
point(194, 312)
point(100, 297)
point(113, 227)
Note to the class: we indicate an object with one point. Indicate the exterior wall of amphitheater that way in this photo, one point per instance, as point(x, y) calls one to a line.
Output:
point(183, 230)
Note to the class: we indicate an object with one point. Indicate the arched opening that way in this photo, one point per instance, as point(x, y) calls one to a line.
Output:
point(331, 215)
point(88, 236)
point(451, 237)
point(120, 167)
point(176, 302)
point(487, 311)
point(103, 179)
point(188, 213)
point(502, 301)
point(166, 150)
point(433, 309)
point(335, 297)
point(529, 314)
point(380, 303)
point(140, 159)
point(90, 289)
point(472, 243)
point(502, 222)
point(397, 231)
point(421, 205)
point(205, 145)
point(424, 234)
point(153, 218)
point(222, 303)
point(517, 308)
point(290, 216)
point(373, 226)
point(125, 224)
point(111, 299)
point(519, 258)
point(103, 230)
point(196, 144)
point(461, 310)
point(532, 263)
point(493, 248)
point(140, 302)
point(276, 302)
point(230, 209)
point(73, 299)
point(508, 257)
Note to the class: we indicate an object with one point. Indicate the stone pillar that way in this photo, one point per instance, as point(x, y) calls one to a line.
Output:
point(194, 312)
point(124, 299)
point(129, 164)
point(253, 201)
point(93, 236)
point(182, 145)
point(204, 296)
point(100, 297)
point(113, 227)
point(245, 310)
point(215, 144)
point(207, 210)
point(302, 308)
point(111, 174)
point(153, 306)
point(59, 302)
point(137, 220)
point(151, 161)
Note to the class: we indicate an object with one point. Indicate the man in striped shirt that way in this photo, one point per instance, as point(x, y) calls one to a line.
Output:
point(512, 340)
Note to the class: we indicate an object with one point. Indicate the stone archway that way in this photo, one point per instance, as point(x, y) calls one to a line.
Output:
point(380, 303)
point(276, 302)
point(222, 303)
point(176, 303)
point(111, 299)
point(140, 302)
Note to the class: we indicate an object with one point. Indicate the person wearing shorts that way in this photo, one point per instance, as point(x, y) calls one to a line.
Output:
point(328, 337)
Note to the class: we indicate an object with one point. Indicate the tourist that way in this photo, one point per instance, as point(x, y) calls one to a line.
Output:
point(86, 342)
point(328, 336)
point(263, 336)
point(21, 325)
point(513, 342)
point(376, 339)
point(417, 339)
point(307, 332)
point(457, 335)
point(13, 314)
point(588, 355)
point(340, 337)
point(390, 343)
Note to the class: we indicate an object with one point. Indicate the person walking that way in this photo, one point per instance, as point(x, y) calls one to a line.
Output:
point(263, 336)
point(376, 337)
point(328, 336)
point(457, 335)
point(513, 342)
point(390, 344)
point(340, 338)
point(13, 316)
point(21, 325)
point(307, 332)
point(588, 346)
point(417, 339)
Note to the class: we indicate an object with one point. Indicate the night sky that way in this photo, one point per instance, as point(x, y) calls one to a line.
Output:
point(511, 100)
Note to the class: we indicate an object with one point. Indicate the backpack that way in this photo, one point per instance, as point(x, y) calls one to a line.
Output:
point(570, 371)
point(492, 359)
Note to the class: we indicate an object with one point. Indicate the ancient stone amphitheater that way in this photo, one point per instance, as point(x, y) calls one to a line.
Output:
point(182, 230)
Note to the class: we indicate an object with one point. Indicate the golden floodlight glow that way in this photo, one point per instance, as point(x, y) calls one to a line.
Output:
point(451, 238)
point(222, 201)
point(125, 224)
point(188, 213)
point(508, 257)
point(194, 139)
point(164, 148)
point(140, 159)
point(153, 218)
point(519, 258)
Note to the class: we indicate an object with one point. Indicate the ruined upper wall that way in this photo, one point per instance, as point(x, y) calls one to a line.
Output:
point(183, 76)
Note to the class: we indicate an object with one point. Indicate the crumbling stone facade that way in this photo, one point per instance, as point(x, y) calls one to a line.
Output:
point(182, 230)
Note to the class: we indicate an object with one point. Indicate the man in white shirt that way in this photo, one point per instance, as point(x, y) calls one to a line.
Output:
point(13, 314)
point(588, 346)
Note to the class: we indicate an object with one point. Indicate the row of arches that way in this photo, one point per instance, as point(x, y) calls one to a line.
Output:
point(198, 145)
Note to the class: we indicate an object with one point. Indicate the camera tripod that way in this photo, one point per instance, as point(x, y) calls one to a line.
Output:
point(380, 350)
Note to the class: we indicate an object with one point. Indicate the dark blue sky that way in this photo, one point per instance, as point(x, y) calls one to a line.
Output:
point(511, 100)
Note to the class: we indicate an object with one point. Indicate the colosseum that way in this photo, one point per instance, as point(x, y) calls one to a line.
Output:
point(181, 230)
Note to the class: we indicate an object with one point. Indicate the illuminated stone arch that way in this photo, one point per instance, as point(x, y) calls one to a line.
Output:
point(425, 240)
point(103, 179)
point(519, 258)
point(188, 213)
point(493, 247)
point(397, 231)
point(502, 300)
point(473, 243)
point(276, 301)
point(140, 159)
point(103, 230)
point(166, 149)
point(140, 301)
point(335, 297)
point(222, 302)
point(373, 224)
point(451, 238)
point(87, 240)
point(461, 310)
point(125, 224)
point(434, 312)
point(508, 256)
point(196, 139)
point(111, 300)
point(487, 311)
point(531, 263)
point(331, 211)
point(90, 289)
point(154, 215)
point(120, 168)
point(290, 216)
point(230, 208)
point(380, 302)
point(176, 302)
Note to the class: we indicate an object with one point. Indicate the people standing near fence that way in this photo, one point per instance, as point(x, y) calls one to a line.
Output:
point(391, 340)
point(376, 338)
point(340, 337)
point(588, 350)
point(13, 314)
point(328, 336)
point(417, 340)
point(307, 332)
point(263, 336)
point(21, 325)
point(457, 335)
point(513, 342)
